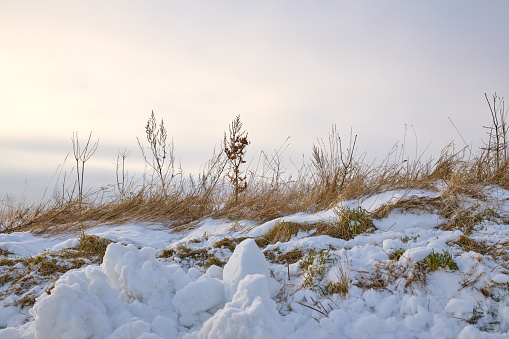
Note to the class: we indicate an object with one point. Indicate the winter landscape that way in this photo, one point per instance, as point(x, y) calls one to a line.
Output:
point(342, 250)
point(254, 169)
point(407, 277)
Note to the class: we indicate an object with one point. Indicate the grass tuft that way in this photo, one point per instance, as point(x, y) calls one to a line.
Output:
point(396, 254)
point(434, 261)
point(352, 222)
point(5, 253)
point(93, 245)
point(282, 231)
point(468, 244)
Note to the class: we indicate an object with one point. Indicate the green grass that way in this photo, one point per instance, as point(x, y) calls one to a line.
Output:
point(435, 261)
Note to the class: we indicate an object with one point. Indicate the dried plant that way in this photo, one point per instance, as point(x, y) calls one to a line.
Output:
point(235, 148)
point(162, 161)
point(82, 155)
point(224, 189)
point(496, 147)
point(334, 165)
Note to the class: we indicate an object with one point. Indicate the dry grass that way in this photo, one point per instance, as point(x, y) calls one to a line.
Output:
point(261, 201)
point(413, 205)
point(471, 277)
point(92, 245)
point(342, 285)
point(45, 268)
point(287, 258)
point(335, 173)
point(229, 243)
point(468, 244)
point(192, 257)
point(349, 223)
point(283, 231)
point(4, 252)
point(386, 275)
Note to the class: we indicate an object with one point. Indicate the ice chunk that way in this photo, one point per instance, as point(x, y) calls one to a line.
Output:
point(469, 332)
point(501, 278)
point(459, 307)
point(246, 259)
point(193, 273)
point(215, 272)
point(416, 322)
point(251, 313)
point(164, 326)
point(334, 322)
point(390, 244)
point(372, 298)
point(198, 296)
point(95, 302)
point(415, 254)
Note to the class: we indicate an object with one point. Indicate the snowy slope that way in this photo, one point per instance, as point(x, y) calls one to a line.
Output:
point(136, 294)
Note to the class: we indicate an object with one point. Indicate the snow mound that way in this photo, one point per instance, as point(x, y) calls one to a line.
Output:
point(191, 299)
point(252, 314)
point(246, 259)
point(134, 295)
point(77, 307)
point(123, 295)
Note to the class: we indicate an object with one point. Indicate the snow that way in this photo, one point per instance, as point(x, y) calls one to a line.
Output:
point(247, 259)
point(135, 294)
point(191, 300)
point(459, 307)
point(251, 314)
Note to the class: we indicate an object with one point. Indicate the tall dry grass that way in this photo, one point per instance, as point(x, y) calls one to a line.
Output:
point(336, 172)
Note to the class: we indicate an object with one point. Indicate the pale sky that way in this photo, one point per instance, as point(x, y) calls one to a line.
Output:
point(289, 68)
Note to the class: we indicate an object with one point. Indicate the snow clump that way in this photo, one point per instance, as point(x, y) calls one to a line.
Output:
point(134, 295)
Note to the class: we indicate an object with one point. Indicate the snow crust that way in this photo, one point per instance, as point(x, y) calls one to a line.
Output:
point(133, 294)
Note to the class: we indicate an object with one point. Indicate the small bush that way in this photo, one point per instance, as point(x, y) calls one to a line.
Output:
point(234, 148)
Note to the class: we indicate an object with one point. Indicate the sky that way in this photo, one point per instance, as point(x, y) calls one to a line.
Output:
point(390, 71)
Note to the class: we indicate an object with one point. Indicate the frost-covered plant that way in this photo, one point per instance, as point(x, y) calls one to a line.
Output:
point(342, 285)
point(315, 266)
